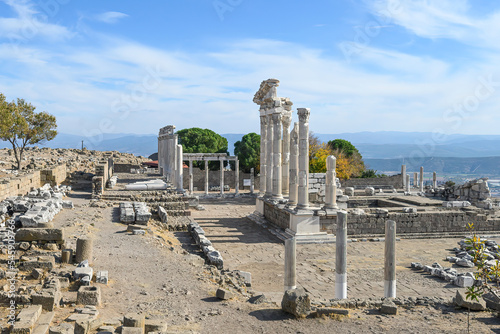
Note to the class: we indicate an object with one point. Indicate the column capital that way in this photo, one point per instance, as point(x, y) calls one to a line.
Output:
point(286, 119)
point(304, 114)
point(277, 117)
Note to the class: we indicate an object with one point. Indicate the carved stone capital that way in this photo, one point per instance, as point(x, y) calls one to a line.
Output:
point(304, 114)
point(286, 119)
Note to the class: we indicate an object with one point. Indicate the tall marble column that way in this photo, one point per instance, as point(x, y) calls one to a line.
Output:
point(407, 183)
point(206, 177)
point(331, 185)
point(263, 152)
point(390, 260)
point(191, 188)
point(252, 180)
point(403, 175)
point(294, 165)
point(341, 256)
point(286, 121)
point(303, 193)
point(237, 176)
point(290, 264)
point(422, 178)
point(415, 180)
point(179, 176)
point(434, 180)
point(277, 187)
point(269, 158)
point(221, 177)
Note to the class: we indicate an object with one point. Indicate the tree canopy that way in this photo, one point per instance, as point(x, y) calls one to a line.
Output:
point(248, 152)
point(21, 126)
point(197, 140)
point(349, 162)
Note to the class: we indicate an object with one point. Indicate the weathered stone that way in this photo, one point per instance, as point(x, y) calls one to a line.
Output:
point(473, 305)
point(328, 312)
point(224, 294)
point(40, 234)
point(48, 298)
point(155, 325)
point(89, 295)
point(369, 191)
point(465, 263)
point(464, 281)
point(37, 273)
point(296, 302)
point(388, 307)
point(63, 328)
point(134, 320)
point(132, 330)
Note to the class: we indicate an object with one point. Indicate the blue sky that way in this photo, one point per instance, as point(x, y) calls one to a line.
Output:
point(131, 67)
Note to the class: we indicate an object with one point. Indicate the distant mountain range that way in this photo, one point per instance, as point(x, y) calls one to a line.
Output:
point(383, 151)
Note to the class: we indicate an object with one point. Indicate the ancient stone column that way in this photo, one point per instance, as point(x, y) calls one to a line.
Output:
point(263, 152)
point(331, 185)
point(403, 176)
point(341, 256)
point(390, 260)
point(67, 256)
point(206, 177)
point(237, 177)
point(303, 193)
point(84, 250)
point(191, 187)
point(294, 165)
point(290, 264)
point(434, 180)
point(422, 178)
point(286, 120)
point(415, 180)
point(179, 178)
point(221, 177)
point(252, 180)
point(407, 183)
point(269, 158)
point(277, 187)
point(160, 155)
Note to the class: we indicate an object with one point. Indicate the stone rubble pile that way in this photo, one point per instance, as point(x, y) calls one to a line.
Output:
point(448, 274)
point(475, 192)
point(213, 256)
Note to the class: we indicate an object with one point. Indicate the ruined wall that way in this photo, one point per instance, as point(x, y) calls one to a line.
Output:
point(54, 176)
point(277, 216)
point(103, 171)
point(21, 185)
point(125, 168)
point(442, 222)
point(391, 181)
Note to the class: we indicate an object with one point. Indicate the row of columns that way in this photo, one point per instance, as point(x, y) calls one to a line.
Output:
point(416, 179)
point(236, 176)
point(290, 277)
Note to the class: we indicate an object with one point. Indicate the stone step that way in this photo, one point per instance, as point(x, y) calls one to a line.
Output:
point(43, 324)
point(26, 319)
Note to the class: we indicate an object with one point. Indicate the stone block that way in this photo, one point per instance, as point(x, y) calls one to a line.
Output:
point(155, 325)
point(328, 312)
point(132, 330)
point(63, 328)
point(462, 301)
point(163, 214)
point(224, 294)
point(102, 277)
point(464, 281)
point(67, 205)
point(47, 298)
point(40, 234)
point(296, 302)
point(134, 320)
point(81, 272)
point(388, 307)
point(89, 295)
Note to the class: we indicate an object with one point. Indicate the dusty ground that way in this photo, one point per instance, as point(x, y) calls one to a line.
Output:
point(157, 274)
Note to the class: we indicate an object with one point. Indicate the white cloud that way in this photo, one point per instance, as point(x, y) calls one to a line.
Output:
point(110, 17)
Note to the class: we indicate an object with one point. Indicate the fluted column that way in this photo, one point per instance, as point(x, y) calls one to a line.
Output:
point(303, 196)
point(331, 184)
point(294, 165)
point(269, 158)
point(415, 180)
point(434, 180)
point(263, 153)
point(408, 183)
point(277, 187)
point(286, 120)
point(403, 175)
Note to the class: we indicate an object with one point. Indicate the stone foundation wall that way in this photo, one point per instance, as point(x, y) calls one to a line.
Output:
point(276, 215)
point(390, 181)
point(21, 185)
point(125, 168)
point(425, 222)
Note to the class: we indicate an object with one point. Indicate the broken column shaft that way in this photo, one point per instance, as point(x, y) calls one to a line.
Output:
point(390, 260)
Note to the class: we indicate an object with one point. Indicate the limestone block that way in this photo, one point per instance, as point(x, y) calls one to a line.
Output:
point(102, 277)
point(63, 328)
point(48, 298)
point(296, 302)
point(89, 295)
point(81, 272)
point(40, 234)
point(462, 301)
point(369, 191)
point(224, 294)
point(388, 307)
point(134, 320)
point(155, 325)
point(163, 214)
point(464, 281)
